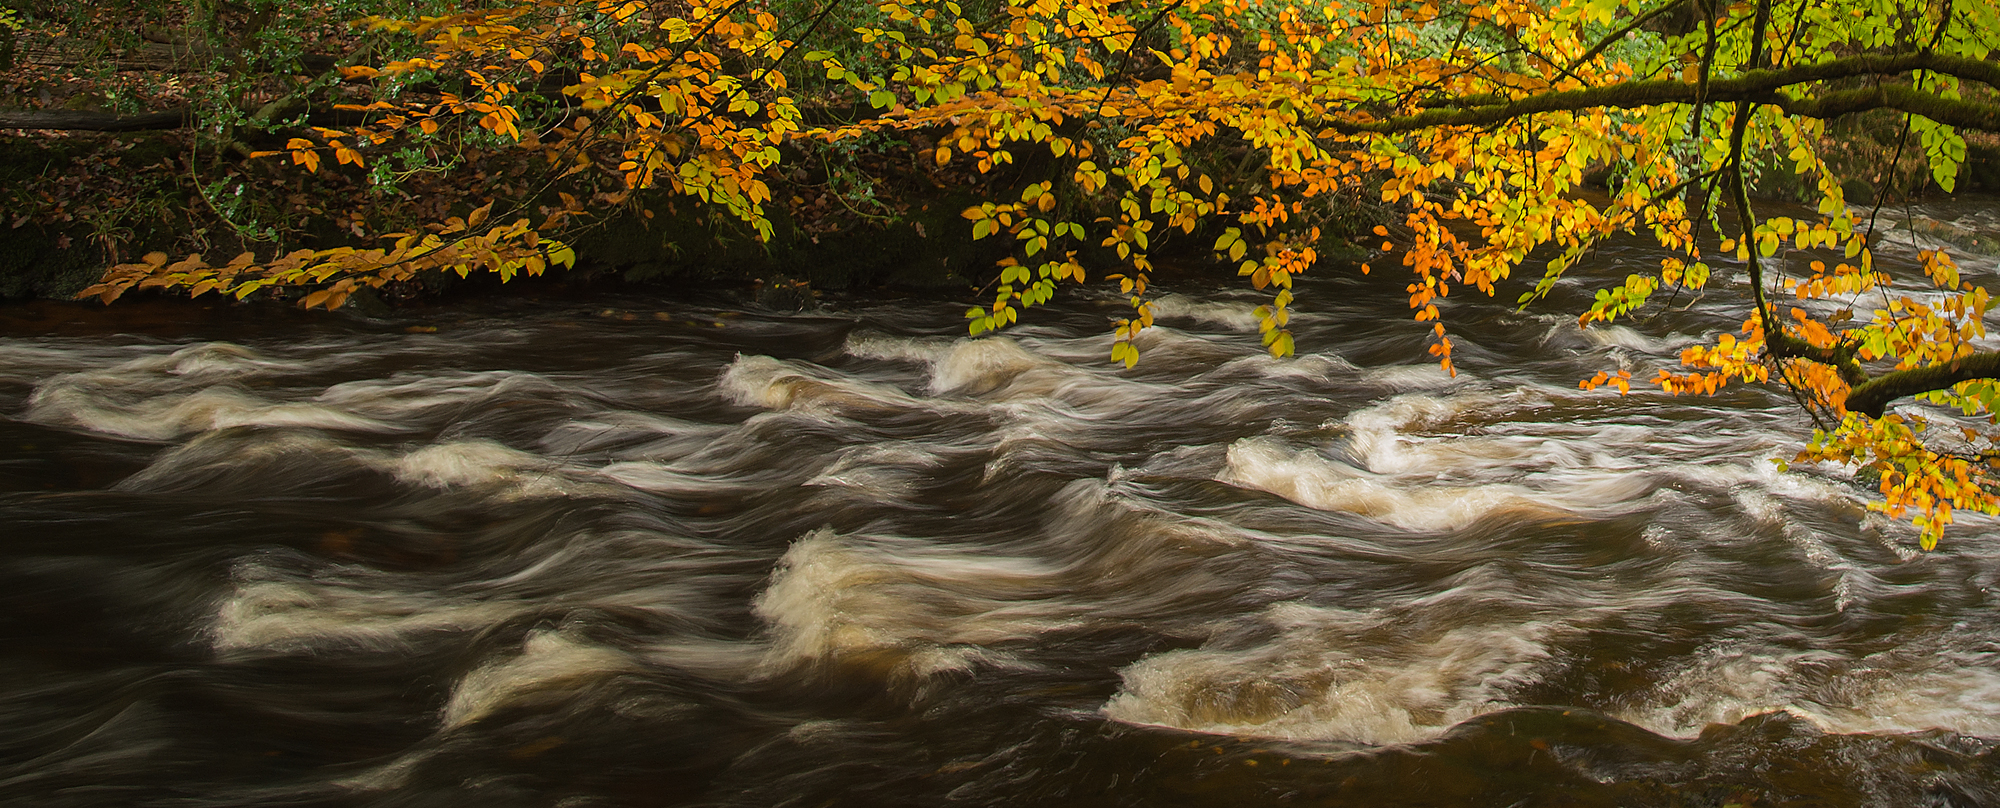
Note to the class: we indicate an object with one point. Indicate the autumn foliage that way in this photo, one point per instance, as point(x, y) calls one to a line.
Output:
point(1248, 125)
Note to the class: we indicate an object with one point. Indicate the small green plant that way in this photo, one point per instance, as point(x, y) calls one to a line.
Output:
point(10, 22)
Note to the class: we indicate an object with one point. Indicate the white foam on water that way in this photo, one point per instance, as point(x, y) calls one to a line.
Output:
point(199, 364)
point(1319, 367)
point(1234, 315)
point(1314, 481)
point(28, 361)
point(736, 460)
point(925, 350)
point(662, 478)
point(825, 731)
point(1421, 410)
point(630, 435)
point(173, 415)
point(195, 389)
point(882, 470)
point(1413, 377)
point(716, 660)
point(551, 663)
point(270, 613)
point(1896, 536)
point(477, 463)
point(1164, 347)
point(1316, 680)
point(775, 384)
point(402, 397)
point(760, 381)
point(1328, 676)
point(391, 775)
point(1911, 692)
point(505, 472)
point(1001, 375)
point(1817, 552)
point(1377, 438)
point(1610, 335)
point(1618, 336)
point(927, 610)
point(995, 365)
point(553, 668)
point(1428, 461)
point(1962, 697)
point(1021, 380)
point(218, 360)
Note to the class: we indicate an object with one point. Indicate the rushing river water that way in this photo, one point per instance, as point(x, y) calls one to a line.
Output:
point(615, 552)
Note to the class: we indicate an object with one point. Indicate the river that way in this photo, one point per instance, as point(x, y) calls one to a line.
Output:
point(610, 551)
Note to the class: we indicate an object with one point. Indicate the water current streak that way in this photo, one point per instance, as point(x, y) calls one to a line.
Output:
point(612, 552)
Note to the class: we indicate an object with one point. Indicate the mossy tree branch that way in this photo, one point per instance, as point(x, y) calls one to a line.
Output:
point(1756, 86)
point(1872, 397)
point(69, 120)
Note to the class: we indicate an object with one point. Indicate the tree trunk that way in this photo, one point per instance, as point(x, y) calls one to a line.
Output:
point(93, 121)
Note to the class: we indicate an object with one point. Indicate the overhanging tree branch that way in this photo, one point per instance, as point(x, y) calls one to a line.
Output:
point(1758, 86)
point(1953, 112)
point(1873, 397)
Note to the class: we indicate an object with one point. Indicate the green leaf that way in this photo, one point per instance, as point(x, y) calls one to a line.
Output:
point(1945, 148)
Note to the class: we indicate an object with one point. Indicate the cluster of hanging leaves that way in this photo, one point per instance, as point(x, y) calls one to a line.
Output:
point(1474, 122)
point(336, 273)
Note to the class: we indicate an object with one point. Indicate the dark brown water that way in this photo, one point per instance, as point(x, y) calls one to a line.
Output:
point(617, 552)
